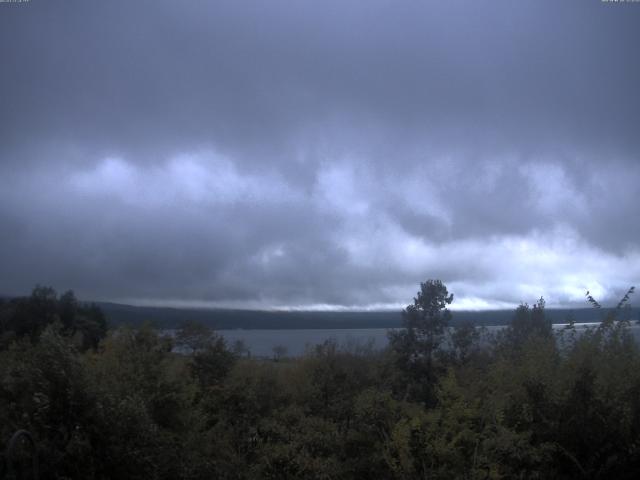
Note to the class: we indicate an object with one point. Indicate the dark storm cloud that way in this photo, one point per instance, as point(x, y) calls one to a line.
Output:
point(299, 153)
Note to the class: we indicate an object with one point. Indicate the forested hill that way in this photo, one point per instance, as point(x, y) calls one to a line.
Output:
point(160, 317)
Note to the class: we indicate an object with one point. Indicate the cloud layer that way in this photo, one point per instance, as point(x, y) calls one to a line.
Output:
point(333, 154)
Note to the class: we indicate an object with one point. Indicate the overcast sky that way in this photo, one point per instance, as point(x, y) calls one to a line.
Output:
point(323, 154)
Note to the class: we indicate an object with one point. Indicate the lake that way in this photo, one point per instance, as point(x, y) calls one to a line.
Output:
point(262, 342)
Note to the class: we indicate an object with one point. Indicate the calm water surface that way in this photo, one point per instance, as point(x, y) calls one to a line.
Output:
point(261, 343)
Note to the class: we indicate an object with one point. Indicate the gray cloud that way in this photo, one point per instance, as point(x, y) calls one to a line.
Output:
point(304, 153)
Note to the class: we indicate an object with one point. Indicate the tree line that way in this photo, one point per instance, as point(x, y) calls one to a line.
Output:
point(437, 403)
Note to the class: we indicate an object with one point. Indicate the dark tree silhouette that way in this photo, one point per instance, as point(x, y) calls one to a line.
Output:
point(416, 345)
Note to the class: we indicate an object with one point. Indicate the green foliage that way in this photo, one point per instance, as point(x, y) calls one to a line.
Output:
point(428, 317)
point(44, 390)
point(438, 404)
point(465, 342)
point(528, 325)
point(417, 345)
point(28, 317)
point(211, 363)
point(193, 336)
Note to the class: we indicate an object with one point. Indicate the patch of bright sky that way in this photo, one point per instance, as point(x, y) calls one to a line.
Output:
point(195, 179)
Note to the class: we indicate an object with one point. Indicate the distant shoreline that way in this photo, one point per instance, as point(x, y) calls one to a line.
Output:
point(227, 319)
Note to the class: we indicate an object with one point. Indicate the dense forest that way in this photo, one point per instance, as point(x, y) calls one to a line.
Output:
point(438, 403)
